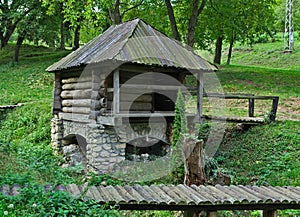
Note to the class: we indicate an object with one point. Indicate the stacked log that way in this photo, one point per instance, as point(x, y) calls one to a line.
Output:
point(83, 95)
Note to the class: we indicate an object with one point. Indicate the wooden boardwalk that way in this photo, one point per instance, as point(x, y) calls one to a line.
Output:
point(182, 197)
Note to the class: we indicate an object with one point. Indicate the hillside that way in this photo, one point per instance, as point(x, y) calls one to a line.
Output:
point(267, 154)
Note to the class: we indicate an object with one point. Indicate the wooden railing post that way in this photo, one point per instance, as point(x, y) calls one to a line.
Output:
point(274, 108)
point(116, 99)
point(212, 214)
point(251, 107)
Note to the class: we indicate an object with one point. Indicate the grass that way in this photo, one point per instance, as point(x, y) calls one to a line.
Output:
point(267, 154)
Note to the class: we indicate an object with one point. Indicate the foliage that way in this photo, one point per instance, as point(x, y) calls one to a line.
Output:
point(104, 179)
point(11, 14)
point(34, 201)
point(180, 129)
point(235, 21)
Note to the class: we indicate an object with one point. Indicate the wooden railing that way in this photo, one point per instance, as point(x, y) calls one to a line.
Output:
point(251, 99)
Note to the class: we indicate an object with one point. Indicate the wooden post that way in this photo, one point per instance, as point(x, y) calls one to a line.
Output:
point(56, 107)
point(251, 107)
point(274, 108)
point(269, 213)
point(200, 96)
point(212, 214)
point(116, 99)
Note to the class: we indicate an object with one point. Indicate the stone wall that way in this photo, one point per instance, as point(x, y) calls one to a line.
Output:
point(105, 145)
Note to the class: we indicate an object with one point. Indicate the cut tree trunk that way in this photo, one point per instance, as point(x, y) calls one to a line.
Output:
point(194, 162)
point(194, 167)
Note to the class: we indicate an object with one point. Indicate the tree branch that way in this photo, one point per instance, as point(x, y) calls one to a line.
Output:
point(135, 6)
point(200, 9)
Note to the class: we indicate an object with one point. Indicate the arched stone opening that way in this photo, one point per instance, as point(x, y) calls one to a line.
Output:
point(74, 150)
point(146, 148)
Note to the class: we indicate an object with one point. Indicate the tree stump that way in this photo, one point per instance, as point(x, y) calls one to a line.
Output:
point(194, 162)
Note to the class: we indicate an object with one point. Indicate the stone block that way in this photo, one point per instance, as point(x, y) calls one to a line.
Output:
point(121, 146)
point(106, 146)
point(104, 153)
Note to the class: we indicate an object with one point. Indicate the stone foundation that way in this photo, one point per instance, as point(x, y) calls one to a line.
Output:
point(99, 148)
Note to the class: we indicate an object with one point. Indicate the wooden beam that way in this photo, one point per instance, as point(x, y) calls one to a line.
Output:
point(151, 88)
point(200, 96)
point(269, 213)
point(77, 110)
point(79, 85)
point(74, 117)
point(82, 103)
point(76, 94)
point(56, 106)
point(116, 99)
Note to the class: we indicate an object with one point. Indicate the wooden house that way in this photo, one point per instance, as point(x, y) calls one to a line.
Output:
point(117, 93)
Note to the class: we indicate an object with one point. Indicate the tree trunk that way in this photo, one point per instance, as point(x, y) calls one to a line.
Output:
point(18, 46)
point(230, 52)
point(218, 51)
point(196, 11)
point(8, 33)
point(62, 36)
point(76, 37)
point(194, 164)
point(172, 20)
point(115, 14)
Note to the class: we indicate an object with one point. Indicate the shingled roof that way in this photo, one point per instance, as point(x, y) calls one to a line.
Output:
point(134, 42)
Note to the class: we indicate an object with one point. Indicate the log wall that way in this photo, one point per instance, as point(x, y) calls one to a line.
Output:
point(85, 96)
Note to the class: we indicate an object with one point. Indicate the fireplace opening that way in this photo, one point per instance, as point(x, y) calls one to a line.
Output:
point(74, 150)
point(146, 149)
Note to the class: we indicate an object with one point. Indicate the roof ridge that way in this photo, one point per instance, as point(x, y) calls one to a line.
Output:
point(129, 37)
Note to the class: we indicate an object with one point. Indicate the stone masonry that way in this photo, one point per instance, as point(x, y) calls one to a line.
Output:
point(102, 147)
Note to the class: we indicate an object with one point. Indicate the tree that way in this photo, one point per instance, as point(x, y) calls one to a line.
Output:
point(233, 20)
point(188, 13)
point(116, 9)
point(179, 130)
point(35, 27)
point(12, 12)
